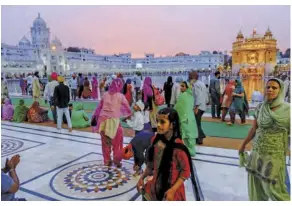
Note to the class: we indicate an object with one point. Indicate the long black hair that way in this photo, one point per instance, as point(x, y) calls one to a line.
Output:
point(166, 161)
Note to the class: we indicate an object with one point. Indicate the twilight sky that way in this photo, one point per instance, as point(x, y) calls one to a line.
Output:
point(164, 30)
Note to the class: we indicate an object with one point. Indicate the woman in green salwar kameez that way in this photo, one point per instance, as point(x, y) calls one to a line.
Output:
point(184, 108)
point(266, 165)
point(20, 112)
point(79, 117)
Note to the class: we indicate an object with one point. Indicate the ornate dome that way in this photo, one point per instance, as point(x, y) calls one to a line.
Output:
point(24, 40)
point(240, 35)
point(39, 22)
point(268, 32)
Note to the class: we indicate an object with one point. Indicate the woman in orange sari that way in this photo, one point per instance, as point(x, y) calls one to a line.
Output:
point(128, 91)
point(36, 114)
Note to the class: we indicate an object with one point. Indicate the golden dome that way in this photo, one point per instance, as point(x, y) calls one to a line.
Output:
point(268, 32)
point(240, 35)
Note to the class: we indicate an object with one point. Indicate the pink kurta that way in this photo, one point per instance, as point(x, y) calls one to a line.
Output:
point(94, 84)
point(112, 106)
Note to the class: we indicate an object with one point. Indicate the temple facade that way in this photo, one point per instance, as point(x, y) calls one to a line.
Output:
point(254, 58)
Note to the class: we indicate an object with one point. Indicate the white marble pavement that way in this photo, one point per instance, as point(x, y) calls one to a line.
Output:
point(64, 166)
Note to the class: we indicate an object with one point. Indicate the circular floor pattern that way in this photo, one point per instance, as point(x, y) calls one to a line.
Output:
point(93, 181)
point(10, 145)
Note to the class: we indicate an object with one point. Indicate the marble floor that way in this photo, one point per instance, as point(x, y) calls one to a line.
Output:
point(68, 166)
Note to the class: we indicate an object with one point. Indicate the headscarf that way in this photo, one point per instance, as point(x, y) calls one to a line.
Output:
point(94, 80)
point(147, 88)
point(116, 86)
point(129, 81)
point(229, 87)
point(169, 80)
point(36, 106)
point(7, 109)
point(280, 117)
point(78, 107)
point(7, 101)
point(20, 112)
point(239, 89)
point(178, 79)
point(169, 83)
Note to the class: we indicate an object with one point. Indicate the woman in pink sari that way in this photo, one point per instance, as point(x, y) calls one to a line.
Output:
point(94, 84)
point(7, 110)
point(111, 108)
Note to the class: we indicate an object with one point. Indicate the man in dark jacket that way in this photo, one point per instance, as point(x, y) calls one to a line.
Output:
point(214, 90)
point(62, 99)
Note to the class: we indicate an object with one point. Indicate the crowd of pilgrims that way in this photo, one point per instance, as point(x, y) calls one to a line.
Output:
point(167, 123)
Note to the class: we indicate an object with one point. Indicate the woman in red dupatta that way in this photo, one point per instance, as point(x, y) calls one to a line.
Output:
point(169, 162)
point(227, 98)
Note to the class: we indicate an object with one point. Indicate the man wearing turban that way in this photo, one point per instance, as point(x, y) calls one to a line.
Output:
point(61, 101)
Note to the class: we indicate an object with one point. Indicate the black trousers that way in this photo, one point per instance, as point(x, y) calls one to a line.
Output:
point(198, 116)
point(215, 103)
point(80, 91)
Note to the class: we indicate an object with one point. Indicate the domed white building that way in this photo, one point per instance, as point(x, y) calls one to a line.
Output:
point(46, 55)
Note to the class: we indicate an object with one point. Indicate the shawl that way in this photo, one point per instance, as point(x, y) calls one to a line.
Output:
point(229, 88)
point(147, 88)
point(94, 81)
point(20, 112)
point(281, 116)
point(36, 107)
point(7, 109)
point(164, 168)
point(185, 105)
point(116, 85)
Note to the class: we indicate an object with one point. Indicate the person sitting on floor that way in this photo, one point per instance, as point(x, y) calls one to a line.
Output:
point(7, 110)
point(20, 112)
point(70, 112)
point(80, 118)
point(137, 121)
point(36, 114)
point(10, 183)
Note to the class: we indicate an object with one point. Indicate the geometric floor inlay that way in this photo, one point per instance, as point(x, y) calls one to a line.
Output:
point(10, 145)
point(92, 181)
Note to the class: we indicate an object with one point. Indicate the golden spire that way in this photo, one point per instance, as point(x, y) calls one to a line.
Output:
point(240, 35)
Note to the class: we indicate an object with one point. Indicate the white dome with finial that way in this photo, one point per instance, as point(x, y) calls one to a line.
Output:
point(24, 42)
point(39, 22)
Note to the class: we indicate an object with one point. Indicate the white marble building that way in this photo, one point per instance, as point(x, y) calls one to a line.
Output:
point(44, 54)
